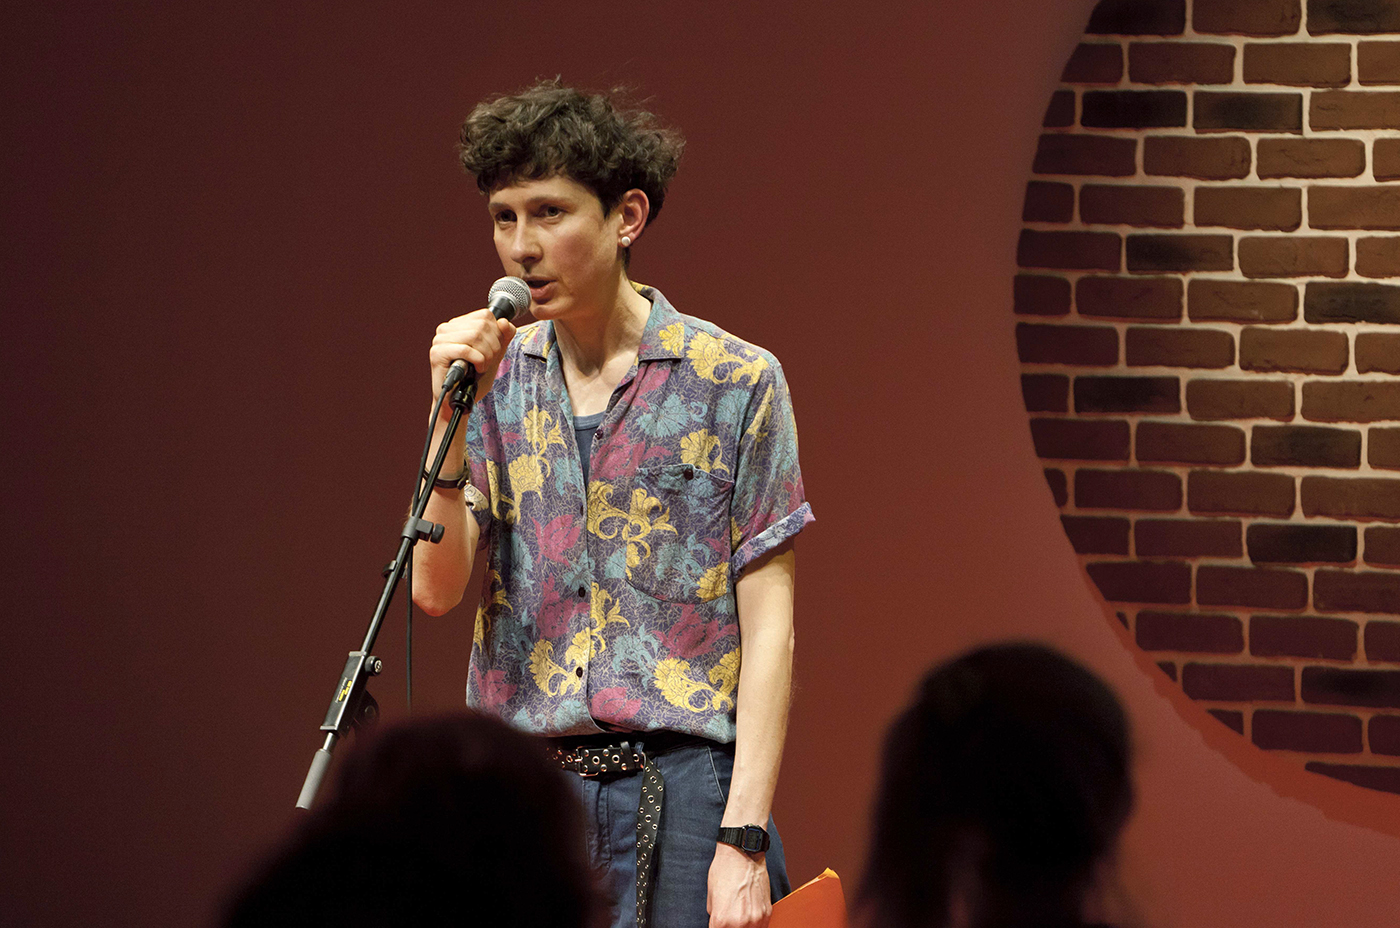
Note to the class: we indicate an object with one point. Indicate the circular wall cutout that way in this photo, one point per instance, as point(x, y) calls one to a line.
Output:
point(1209, 333)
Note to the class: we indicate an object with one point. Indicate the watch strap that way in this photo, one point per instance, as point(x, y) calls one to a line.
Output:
point(750, 839)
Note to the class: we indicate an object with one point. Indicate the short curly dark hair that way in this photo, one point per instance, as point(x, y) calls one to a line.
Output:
point(549, 129)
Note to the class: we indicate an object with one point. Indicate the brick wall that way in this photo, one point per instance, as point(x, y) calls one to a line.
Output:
point(1208, 322)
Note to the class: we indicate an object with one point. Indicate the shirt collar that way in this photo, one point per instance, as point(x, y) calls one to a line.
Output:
point(538, 340)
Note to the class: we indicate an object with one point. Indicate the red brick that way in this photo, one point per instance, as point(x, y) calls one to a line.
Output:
point(1259, 587)
point(1326, 301)
point(1233, 301)
point(1059, 113)
point(1312, 352)
point(1181, 63)
point(1110, 156)
point(1152, 253)
point(1138, 17)
point(1314, 732)
point(1150, 490)
point(1138, 582)
point(1304, 446)
point(1273, 208)
point(1078, 440)
point(1383, 448)
point(1378, 62)
point(1187, 631)
point(1243, 17)
point(1238, 682)
point(1383, 545)
point(1382, 641)
point(1383, 734)
point(1351, 497)
point(1378, 351)
point(1302, 636)
point(1129, 297)
point(1354, 109)
point(1377, 778)
point(1293, 256)
point(1378, 257)
point(1310, 64)
point(1385, 159)
point(1094, 63)
point(1045, 392)
point(1231, 111)
point(1245, 493)
point(1187, 538)
point(1086, 251)
point(1127, 394)
point(1240, 399)
point(1096, 534)
point(1131, 205)
point(1349, 401)
point(1368, 207)
point(1188, 156)
point(1362, 17)
point(1179, 443)
point(1082, 345)
point(1048, 202)
point(1291, 543)
point(1038, 295)
point(1179, 347)
point(1311, 157)
point(1133, 109)
point(1231, 718)
point(1059, 488)
point(1338, 686)
point(1356, 591)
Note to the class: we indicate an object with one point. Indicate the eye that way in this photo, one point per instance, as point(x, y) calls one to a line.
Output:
point(503, 216)
point(550, 211)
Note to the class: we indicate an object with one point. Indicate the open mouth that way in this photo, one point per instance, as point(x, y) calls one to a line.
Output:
point(538, 286)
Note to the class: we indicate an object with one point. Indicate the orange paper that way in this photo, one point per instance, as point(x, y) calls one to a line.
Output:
point(818, 903)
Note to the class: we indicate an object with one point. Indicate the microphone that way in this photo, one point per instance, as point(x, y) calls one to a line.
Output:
point(508, 297)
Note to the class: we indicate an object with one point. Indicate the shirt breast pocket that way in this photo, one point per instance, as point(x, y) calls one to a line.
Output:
point(680, 548)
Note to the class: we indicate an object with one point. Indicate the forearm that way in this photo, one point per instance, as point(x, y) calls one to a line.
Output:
point(765, 598)
point(441, 571)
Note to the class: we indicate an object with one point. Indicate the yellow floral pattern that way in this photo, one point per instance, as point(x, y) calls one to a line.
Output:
point(703, 450)
point(708, 353)
point(637, 523)
point(681, 690)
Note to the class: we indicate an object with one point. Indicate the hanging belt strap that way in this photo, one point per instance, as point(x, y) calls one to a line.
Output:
point(624, 757)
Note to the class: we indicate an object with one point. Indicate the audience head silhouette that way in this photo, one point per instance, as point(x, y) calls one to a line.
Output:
point(1004, 788)
point(453, 820)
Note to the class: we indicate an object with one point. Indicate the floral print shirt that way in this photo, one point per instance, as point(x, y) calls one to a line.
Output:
point(612, 606)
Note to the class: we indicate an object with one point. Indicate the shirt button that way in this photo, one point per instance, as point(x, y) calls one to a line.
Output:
point(578, 672)
point(689, 472)
point(582, 592)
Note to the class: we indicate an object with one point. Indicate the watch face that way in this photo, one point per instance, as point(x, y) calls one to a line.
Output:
point(755, 839)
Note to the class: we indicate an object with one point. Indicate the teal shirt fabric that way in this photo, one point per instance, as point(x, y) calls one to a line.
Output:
point(611, 605)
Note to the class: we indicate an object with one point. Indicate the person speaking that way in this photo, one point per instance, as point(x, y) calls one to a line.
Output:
point(631, 474)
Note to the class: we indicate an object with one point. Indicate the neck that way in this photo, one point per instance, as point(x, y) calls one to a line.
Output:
point(588, 343)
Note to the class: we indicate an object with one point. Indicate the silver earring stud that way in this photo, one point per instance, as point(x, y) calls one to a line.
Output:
point(627, 241)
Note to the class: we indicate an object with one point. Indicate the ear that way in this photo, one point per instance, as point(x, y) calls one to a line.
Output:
point(633, 212)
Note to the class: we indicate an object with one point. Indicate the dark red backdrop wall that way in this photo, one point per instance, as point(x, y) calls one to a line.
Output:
point(228, 237)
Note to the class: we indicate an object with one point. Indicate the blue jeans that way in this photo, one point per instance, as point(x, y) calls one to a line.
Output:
point(697, 787)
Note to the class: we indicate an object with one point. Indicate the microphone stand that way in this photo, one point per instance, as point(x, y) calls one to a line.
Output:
point(352, 706)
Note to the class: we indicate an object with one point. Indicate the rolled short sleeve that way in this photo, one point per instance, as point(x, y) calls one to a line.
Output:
point(769, 505)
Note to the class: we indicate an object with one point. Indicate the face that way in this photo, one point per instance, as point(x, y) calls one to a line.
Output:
point(554, 234)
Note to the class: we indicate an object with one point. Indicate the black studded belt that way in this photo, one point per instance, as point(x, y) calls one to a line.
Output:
point(593, 756)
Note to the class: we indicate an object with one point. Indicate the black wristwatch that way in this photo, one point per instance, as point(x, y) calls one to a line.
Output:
point(750, 839)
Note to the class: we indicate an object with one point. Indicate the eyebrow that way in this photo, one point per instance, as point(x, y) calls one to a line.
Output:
point(495, 205)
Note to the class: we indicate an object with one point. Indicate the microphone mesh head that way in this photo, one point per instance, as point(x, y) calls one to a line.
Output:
point(515, 291)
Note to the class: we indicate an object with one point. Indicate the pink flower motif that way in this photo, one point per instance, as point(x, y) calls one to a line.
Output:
point(691, 636)
point(558, 536)
point(555, 611)
point(492, 690)
point(612, 705)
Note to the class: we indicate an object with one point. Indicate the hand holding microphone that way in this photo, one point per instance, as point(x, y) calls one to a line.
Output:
point(478, 339)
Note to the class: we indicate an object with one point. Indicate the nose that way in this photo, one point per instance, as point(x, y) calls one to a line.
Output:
point(523, 245)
